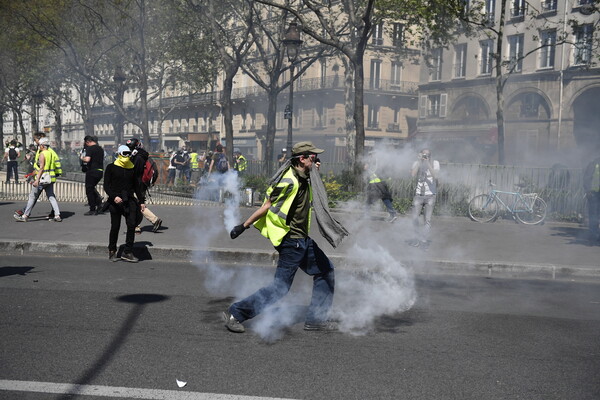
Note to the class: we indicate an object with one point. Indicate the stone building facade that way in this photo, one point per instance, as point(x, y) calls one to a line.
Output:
point(550, 112)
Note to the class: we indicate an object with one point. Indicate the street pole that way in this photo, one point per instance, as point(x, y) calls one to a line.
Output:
point(290, 112)
point(37, 99)
point(292, 43)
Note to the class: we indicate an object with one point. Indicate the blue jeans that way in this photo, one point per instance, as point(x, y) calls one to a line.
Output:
point(294, 254)
point(34, 195)
point(426, 202)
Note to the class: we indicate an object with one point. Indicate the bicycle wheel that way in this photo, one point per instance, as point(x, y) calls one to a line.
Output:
point(537, 214)
point(482, 208)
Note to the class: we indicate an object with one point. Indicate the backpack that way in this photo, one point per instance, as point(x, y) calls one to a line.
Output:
point(12, 154)
point(221, 164)
point(150, 174)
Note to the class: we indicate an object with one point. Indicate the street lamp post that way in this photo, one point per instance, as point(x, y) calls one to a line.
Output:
point(37, 97)
point(119, 80)
point(292, 43)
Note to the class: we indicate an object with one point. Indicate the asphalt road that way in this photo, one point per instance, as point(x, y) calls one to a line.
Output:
point(110, 326)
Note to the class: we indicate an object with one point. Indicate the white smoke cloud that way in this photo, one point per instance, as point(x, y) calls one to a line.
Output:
point(373, 284)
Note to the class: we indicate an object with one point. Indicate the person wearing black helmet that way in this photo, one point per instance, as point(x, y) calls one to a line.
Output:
point(139, 157)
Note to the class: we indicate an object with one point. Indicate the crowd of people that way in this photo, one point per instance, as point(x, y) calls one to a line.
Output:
point(188, 167)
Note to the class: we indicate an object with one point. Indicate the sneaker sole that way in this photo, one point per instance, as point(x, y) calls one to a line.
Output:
point(225, 317)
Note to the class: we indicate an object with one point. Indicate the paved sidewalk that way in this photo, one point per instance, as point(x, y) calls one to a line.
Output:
point(503, 248)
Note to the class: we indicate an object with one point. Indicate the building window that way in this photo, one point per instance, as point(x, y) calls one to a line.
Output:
point(583, 44)
point(518, 8)
point(323, 72)
point(436, 65)
point(377, 39)
point(515, 52)
point(373, 117)
point(433, 106)
point(530, 105)
point(319, 116)
point(396, 73)
point(375, 76)
point(549, 5)
point(298, 117)
point(398, 35)
point(486, 57)
point(490, 11)
point(548, 49)
point(460, 60)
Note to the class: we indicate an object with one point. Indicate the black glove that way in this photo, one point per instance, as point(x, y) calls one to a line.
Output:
point(237, 231)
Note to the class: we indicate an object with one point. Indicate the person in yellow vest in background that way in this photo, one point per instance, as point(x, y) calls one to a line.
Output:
point(284, 218)
point(195, 167)
point(378, 189)
point(44, 179)
point(591, 185)
point(240, 164)
point(31, 176)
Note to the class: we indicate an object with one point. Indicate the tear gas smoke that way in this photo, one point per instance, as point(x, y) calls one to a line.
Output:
point(373, 284)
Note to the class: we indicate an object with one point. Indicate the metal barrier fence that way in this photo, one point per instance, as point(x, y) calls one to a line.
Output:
point(562, 188)
point(67, 191)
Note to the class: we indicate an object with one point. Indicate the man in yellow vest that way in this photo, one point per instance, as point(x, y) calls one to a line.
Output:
point(34, 155)
point(591, 185)
point(240, 164)
point(284, 218)
point(44, 179)
point(195, 167)
point(378, 189)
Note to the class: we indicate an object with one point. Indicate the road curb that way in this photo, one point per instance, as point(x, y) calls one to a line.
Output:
point(269, 258)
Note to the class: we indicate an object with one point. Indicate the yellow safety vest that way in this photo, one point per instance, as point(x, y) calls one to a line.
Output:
point(374, 179)
point(57, 164)
point(273, 224)
point(50, 159)
point(242, 163)
point(194, 161)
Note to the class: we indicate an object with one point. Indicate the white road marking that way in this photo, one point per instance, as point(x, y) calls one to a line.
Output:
point(120, 392)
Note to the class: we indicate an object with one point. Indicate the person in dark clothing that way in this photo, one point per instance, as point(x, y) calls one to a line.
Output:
point(11, 155)
point(591, 186)
point(93, 160)
point(139, 156)
point(125, 198)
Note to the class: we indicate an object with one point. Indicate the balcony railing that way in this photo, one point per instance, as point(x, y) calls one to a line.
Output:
point(300, 85)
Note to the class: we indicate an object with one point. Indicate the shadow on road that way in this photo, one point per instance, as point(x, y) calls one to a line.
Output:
point(139, 301)
point(575, 235)
point(8, 271)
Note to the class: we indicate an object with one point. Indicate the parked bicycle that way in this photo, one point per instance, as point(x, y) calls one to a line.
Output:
point(527, 208)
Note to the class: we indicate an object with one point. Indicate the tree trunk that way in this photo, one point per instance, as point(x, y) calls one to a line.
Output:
point(2, 128)
point(500, 84)
point(86, 111)
point(15, 125)
point(227, 110)
point(349, 112)
point(22, 128)
point(58, 120)
point(271, 131)
point(359, 120)
point(500, 121)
